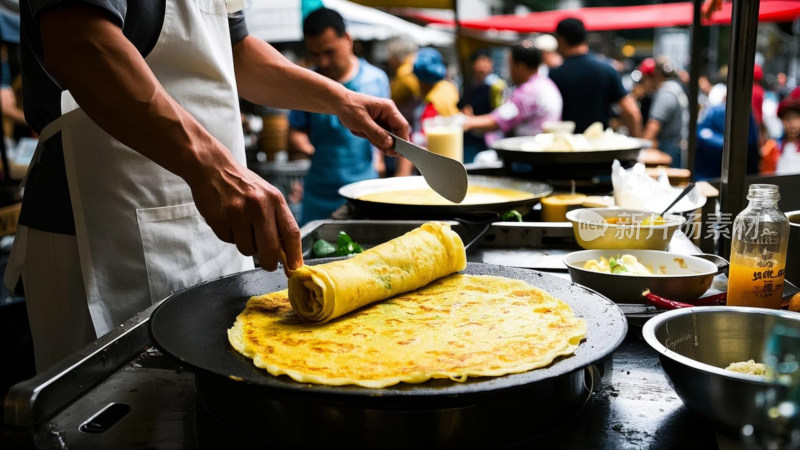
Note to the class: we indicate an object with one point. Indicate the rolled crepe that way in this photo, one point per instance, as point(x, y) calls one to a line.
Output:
point(324, 292)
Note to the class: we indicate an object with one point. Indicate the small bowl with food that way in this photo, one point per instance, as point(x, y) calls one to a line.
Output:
point(714, 358)
point(616, 228)
point(624, 275)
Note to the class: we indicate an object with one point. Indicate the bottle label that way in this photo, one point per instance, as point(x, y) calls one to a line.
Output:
point(768, 237)
point(768, 274)
point(751, 232)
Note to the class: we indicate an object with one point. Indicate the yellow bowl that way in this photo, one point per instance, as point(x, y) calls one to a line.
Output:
point(593, 230)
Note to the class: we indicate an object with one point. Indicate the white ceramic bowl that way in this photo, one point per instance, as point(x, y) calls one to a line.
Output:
point(592, 231)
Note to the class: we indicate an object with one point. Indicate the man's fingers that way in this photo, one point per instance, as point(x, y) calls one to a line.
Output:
point(244, 237)
point(383, 115)
point(381, 139)
point(277, 238)
point(268, 248)
point(286, 270)
point(292, 246)
point(223, 231)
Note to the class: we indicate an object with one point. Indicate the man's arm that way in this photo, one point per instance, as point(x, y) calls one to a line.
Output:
point(484, 122)
point(264, 76)
point(631, 115)
point(300, 143)
point(11, 111)
point(89, 55)
point(403, 167)
point(651, 131)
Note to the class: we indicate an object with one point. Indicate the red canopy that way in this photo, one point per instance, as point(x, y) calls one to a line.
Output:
point(624, 17)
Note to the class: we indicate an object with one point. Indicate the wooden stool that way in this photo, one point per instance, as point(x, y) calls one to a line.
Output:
point(677, 177)
point(653, 157)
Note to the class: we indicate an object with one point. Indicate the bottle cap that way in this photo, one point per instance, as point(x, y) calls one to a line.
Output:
point(763, 191)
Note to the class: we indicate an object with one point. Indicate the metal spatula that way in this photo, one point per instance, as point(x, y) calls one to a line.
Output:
point(444, 175)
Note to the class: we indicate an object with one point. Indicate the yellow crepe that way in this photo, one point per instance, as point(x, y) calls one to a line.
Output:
point(476, 195)
point(323, 292)
point(457, 327)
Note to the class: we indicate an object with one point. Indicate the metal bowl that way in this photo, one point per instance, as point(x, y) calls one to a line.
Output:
point(592, 231)
point(678, 277)
point(695, 344)
point(793, 252)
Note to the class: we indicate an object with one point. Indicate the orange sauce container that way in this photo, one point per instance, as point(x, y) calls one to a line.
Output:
point(751, 284)
point(758, 251)
point(555, 207)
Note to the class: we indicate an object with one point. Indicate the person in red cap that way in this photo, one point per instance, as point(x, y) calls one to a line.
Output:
point(643, 90)
point(647, 66)
point(668, 122)
point(789, 113)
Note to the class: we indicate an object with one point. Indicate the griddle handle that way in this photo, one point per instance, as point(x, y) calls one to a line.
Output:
point(476, 229)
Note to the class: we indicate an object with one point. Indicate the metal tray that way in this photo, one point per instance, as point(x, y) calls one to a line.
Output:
point(122, 367)
point(529, 245)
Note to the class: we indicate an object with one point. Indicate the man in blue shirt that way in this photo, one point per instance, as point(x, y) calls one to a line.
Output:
point(710, 142)
point(338, 157)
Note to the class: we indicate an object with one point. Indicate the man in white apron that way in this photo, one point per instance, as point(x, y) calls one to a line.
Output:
point(139, 186)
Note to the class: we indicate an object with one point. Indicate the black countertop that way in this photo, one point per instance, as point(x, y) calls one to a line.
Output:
point(634, 406)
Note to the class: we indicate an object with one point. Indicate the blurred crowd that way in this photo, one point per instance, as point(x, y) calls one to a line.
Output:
point(501, 91)
point(518, 91)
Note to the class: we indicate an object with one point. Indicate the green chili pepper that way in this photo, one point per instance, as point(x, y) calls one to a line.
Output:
point(511, 215)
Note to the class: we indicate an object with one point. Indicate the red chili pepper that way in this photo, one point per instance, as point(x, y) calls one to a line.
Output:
point(663, 303)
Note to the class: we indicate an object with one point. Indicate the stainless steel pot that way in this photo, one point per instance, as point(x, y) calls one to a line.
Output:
point(696, 344)
point(793, 254)
point(679, 277)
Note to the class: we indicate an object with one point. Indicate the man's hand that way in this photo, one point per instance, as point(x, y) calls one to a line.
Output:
point(265, 77)
point(245, 210)
point(369, 117)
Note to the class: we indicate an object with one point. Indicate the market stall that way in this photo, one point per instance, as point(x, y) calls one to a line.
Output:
point(168, 378)
point(123, 389)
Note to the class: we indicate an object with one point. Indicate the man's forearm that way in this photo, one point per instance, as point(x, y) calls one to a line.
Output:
point(89, 55)
point(631, 115)
point(485, 122)
point(651, 130)
point(111, 82)
point(300, 143)
point(265, 76)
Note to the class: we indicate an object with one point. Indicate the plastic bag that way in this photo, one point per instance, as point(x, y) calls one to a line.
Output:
point(635, 189)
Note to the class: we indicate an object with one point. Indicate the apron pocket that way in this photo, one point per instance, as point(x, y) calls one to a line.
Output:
point(181, 250)
point(212, 6)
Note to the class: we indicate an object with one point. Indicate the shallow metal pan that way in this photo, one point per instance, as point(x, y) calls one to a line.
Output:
point(514, 150)
point(685, 277)
point(375, 210)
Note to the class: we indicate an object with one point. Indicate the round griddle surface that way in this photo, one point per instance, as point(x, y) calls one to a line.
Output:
point(191, 326)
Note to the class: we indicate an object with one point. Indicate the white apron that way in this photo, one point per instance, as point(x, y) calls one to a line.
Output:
point(139, 234)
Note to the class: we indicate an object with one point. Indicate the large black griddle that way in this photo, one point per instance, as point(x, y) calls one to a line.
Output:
point(380, 210)
point(191, 326)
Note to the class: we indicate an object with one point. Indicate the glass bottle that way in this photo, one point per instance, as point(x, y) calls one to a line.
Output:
point(758, 251)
